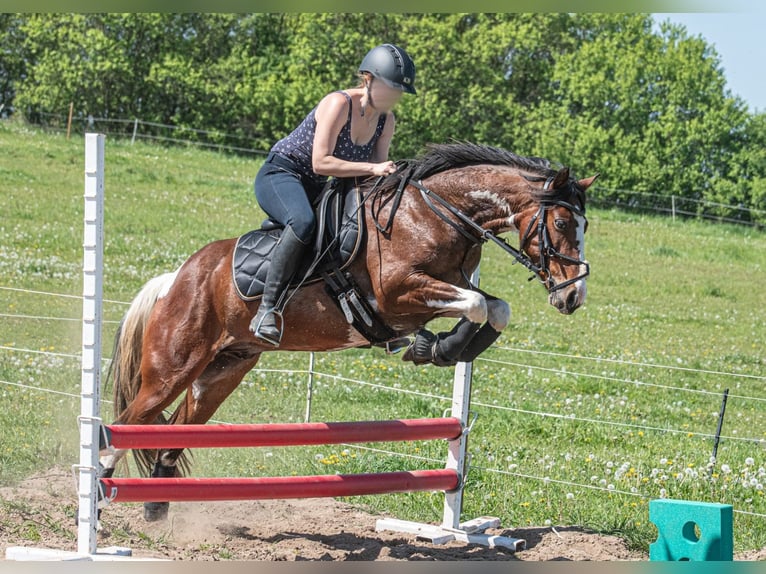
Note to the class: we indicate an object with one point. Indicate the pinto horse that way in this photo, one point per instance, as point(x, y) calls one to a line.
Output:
point(187, 331)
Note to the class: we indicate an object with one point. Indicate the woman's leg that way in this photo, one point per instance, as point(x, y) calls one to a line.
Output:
point(282, 196)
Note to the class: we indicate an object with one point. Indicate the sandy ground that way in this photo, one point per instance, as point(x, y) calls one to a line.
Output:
point(40, 512)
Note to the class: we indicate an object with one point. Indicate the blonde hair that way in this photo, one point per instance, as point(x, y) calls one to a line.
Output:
point(364, 77)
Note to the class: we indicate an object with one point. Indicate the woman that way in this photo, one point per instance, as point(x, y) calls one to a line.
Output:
point(347, 134)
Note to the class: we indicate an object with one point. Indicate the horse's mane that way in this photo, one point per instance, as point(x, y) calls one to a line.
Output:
point(441, 157)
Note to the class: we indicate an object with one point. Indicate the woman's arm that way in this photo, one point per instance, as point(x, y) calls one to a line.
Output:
point(330, 115)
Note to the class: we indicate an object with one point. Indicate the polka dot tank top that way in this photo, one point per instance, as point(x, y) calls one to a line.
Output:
point(299, 144)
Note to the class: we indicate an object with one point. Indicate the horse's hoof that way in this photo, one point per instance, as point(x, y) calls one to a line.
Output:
point(156, 511)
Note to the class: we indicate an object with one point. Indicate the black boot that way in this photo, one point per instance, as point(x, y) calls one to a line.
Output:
point(284, 261)
point(442, 349)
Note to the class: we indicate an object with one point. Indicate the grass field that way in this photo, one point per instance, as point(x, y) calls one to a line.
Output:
point(582, 419)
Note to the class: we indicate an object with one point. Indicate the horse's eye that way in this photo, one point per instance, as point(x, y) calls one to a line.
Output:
point(560, 224)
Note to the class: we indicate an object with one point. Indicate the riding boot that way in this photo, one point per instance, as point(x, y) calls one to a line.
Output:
point(285, 260)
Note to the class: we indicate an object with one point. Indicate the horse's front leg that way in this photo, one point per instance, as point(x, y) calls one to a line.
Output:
point(469, 337)
point(498, 317)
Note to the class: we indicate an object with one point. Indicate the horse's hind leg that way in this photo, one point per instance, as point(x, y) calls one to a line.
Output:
point(166, 372)
point(206, 394)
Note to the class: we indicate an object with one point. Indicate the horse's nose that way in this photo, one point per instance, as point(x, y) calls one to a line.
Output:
point(571, 302)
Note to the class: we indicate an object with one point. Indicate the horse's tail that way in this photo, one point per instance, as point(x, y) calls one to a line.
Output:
point(125, 366)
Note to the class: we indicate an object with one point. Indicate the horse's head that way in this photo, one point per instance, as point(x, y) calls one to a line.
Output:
point(552, 235)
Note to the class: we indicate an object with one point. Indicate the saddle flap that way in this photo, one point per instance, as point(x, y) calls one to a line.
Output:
point(340, 226)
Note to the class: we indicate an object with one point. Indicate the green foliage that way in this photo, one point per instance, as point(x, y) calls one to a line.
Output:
point(645, 104)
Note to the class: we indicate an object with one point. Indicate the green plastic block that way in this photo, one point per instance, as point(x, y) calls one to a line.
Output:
point(697, 531)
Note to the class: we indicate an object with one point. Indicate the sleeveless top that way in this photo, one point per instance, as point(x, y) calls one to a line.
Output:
point(299, 144)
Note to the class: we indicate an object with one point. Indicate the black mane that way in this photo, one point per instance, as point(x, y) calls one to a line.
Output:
point(441, 157)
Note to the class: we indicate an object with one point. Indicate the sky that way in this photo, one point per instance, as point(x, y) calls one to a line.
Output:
point(739, 40)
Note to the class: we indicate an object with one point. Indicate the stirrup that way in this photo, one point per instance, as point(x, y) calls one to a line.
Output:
point(281, 324)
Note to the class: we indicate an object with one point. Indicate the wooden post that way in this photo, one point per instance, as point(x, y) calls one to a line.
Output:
point(310, 390)
point(69, 121)
point(135, 129)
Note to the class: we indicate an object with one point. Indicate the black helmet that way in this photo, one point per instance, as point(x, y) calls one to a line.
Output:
point(392, 65)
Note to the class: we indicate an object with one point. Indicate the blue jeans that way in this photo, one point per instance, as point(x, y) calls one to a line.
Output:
point(286, 196)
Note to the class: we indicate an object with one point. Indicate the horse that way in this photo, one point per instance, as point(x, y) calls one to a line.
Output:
point(187, 331)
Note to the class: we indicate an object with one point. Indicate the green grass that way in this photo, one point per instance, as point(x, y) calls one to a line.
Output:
point(687, 295)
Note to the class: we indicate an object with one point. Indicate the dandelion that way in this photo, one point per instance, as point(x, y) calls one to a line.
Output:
point(548, 522)
point(663, 493)
point(725, 468)
point(570, 496)
point(610, 487)
point(318, 456)
point(749, 461)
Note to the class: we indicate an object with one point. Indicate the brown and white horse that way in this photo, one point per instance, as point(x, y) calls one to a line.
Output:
point(187, 331)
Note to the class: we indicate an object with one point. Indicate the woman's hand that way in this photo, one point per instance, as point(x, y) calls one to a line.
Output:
point(383, 168)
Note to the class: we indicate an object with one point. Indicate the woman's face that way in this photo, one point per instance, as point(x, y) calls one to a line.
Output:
point(384, 97)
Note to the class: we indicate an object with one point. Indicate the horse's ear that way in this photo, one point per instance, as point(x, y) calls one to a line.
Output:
point(561, 179)
point(586, 183)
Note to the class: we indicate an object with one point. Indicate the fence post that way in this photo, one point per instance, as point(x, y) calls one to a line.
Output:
point(135, 129)
point(673, 206)
point(456, 456)
point(310, 391)
point(92, 291)
point(69, 120)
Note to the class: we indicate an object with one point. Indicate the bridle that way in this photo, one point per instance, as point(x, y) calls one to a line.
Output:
point(541, 269)
point(547, 251)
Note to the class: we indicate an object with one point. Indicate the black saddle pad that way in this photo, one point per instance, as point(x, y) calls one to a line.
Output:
point(338, 214)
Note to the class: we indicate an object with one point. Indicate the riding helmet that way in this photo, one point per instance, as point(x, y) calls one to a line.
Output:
point(392, 65)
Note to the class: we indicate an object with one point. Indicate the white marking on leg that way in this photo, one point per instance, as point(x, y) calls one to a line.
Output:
point(111, 456)
point(498, 314)
point(470, 304)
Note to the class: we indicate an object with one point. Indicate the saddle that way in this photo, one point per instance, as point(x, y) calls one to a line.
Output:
point(340, 232)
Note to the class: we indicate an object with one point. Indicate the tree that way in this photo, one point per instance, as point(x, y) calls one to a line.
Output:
point(644, 104)
point(649, 110)
point(12, 59)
